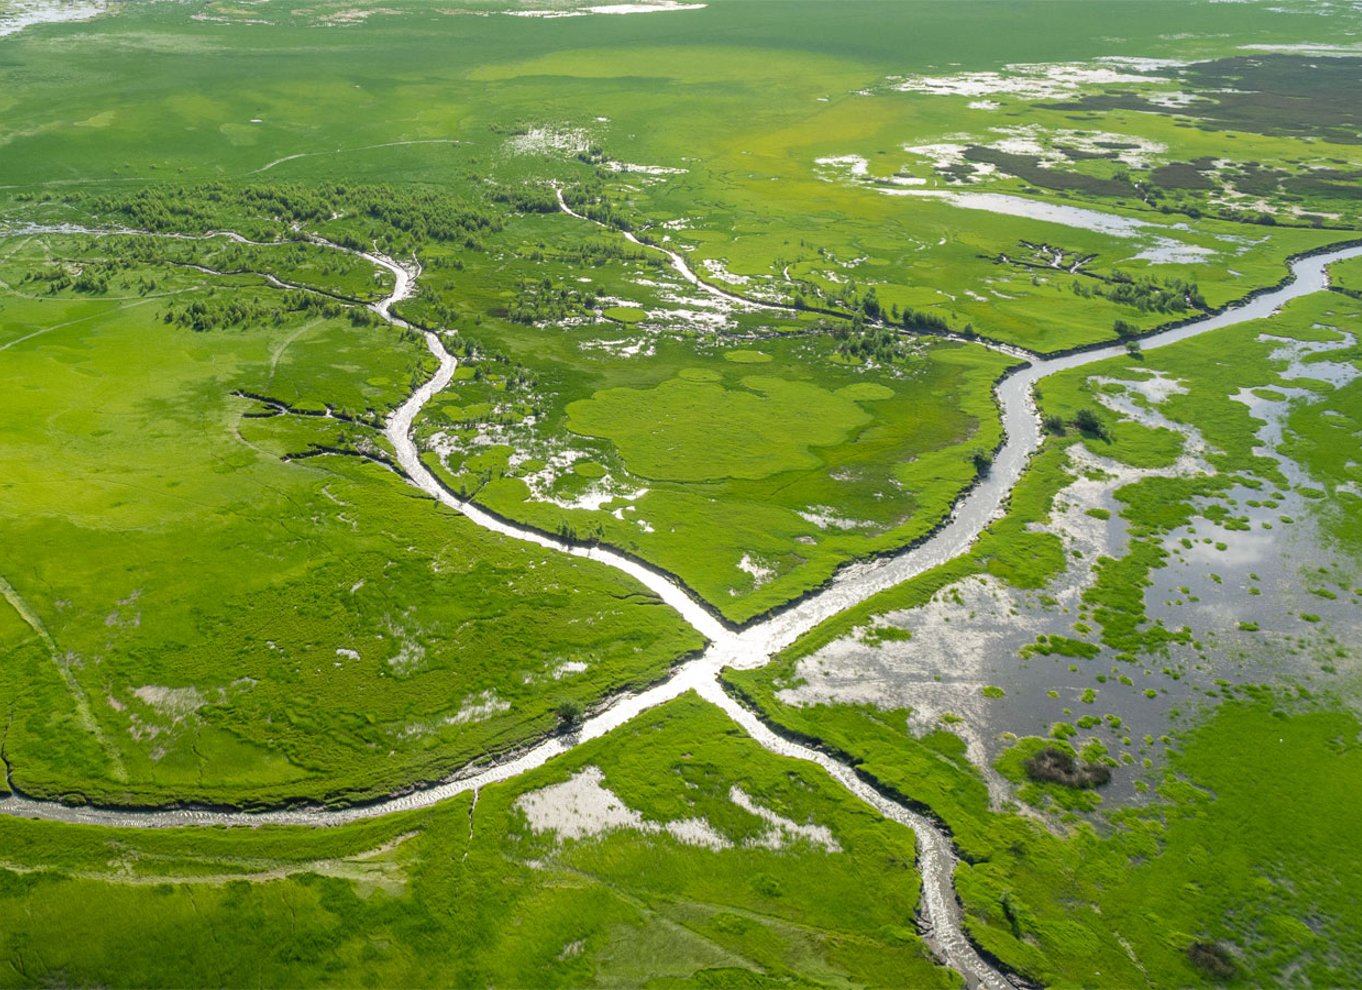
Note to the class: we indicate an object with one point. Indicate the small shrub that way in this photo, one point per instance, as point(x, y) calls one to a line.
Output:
point(1055, 766)
point(1212, 958)
point(1087, 422)
point(570, 714)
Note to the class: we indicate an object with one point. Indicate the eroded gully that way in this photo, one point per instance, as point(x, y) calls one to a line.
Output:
point(753, 646)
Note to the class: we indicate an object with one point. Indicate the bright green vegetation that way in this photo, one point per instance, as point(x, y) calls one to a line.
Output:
point(1153, 507)
point(1240, 848)
point(1317, 421)
point(749, 487)
point(1024, 882)
point(456, 169)
point(670, 100)
point(94, 263)
point(472, 894)
point(218, 589)
point(1229, 854)
point(729, 433)
point(1346, 276)
point(206, 621)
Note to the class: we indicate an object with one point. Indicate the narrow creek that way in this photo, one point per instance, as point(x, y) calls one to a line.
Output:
point(753, 646)
point(683, 268)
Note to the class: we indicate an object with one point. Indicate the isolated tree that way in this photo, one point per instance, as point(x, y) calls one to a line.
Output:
point(570, 714)
point(1088, 422)
point(871, 304)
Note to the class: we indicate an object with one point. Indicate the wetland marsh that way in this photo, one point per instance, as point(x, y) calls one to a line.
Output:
point(910, 538)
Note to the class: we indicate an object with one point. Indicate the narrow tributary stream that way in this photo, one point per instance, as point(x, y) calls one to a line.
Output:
point(750, 647)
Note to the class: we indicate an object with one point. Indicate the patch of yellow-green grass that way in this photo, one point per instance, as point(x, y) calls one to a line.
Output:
point(697, 431)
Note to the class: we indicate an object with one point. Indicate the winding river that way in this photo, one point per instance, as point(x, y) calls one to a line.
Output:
point(749, 647)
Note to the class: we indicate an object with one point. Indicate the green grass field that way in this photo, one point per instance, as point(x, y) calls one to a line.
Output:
point(219, 590)
point(209, 622)
point(501, 900)
point(750, 487)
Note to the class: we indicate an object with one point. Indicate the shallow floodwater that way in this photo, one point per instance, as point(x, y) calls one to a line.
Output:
point(1162, 249)
point(15, 15)
point(1111, 224)
point(1241, 591)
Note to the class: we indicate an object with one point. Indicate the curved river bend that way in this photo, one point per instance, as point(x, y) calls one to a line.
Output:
point(754, 645)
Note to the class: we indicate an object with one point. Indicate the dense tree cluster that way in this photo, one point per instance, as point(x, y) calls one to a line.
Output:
point(92, 279)
point(1087, 422)
point(867, 342)
point(396, 217)
point(1145, 293)
point(525, 198)
point(590, 200)
point(598, 252)
point(908, 318)
point(595, 155)
point(543, 300)
point(917, 319)
point(219, 311)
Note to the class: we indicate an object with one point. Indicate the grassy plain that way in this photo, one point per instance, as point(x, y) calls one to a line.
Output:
point(607, 82)
point(750, 481)
point(554, 100)
point(471, 893)
point(1347, 276)
point(190, 616)
point(209, 622)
